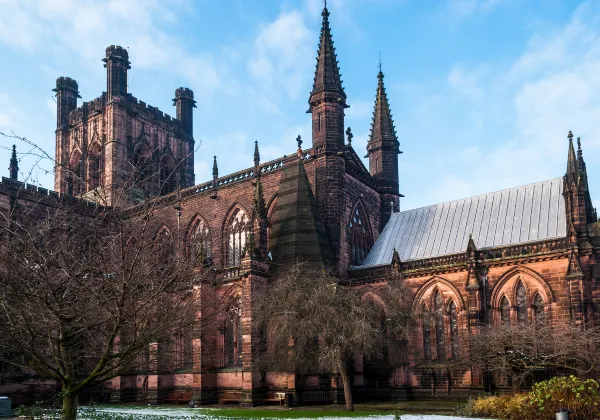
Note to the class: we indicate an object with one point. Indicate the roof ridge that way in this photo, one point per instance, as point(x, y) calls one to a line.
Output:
point(480, 195)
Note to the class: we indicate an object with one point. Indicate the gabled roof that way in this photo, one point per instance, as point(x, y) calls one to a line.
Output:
point(517, 215)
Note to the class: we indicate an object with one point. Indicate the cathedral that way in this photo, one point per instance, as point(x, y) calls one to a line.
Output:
point(523, 253)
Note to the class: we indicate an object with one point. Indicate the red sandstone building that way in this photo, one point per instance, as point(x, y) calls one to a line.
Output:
point(503, 257)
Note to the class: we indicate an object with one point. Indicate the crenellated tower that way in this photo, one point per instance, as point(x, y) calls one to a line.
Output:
point(327, 103)
point(184, 104)
point(382, 150)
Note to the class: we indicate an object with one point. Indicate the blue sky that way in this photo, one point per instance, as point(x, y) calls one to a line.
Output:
point(483, 92)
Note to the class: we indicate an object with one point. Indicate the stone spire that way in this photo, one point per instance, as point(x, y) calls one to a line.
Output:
point(13, 169)
point(327, 73)
point(382, 125)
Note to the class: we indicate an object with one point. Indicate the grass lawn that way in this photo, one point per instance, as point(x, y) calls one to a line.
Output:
point(275, 412)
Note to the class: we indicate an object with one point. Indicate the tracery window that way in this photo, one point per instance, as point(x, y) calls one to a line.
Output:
point(538, 308)
point(233, 337)
point(200, 244)
point(453, 329)
point(142, 164)
point(167, 175)
point(179, 351)
point(426, 333)
point(521, 305)
point(505, 311)
point(237, 233)
point(74, 186)
point(360, 236)
point(440, 336)
point(94, 168)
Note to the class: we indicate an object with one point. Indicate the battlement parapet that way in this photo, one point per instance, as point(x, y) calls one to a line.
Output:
point(116, 52)
point(66, 83)
point(184, 93)
point(152, 113)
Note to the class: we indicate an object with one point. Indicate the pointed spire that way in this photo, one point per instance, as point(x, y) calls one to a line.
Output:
point(215, 178)
point(256, 154)
point(13, 168)
point(382, 126)
point(572, 165)
point(215, 168)
point(327, 73)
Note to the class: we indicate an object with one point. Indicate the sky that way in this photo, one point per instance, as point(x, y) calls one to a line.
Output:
point(483, 92)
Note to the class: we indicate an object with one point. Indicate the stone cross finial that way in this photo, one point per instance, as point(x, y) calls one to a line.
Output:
point(349, 135)
point(299, 141)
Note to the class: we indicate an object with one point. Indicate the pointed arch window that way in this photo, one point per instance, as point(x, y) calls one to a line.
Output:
point(237, 234)
point(538, 308)
point(438, 313)
point(94, 167)
point(505, 311)
point(521, 300)
point(360, 236)
point(75, 182)
point(200, 244)
point(167, 175)
point(182, 349)
point(142, 164)
point(233, 337)
point(453, 315)
point(426, 332)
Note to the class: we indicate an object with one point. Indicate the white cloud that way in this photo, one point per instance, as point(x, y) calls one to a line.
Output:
point(282, 55)
point(84, 28)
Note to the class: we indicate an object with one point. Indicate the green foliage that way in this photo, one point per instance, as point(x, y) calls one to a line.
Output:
point(580, 397)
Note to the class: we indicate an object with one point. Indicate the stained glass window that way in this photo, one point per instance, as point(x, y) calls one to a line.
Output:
point(142, 164)
point(440, 336)
point(360, 237)
point(236, 237)
point(453, 329)
point(200, 245)
point(521, 303)
point(538, 308)
point(94, 168)
point(426, 333)
point(505, 311)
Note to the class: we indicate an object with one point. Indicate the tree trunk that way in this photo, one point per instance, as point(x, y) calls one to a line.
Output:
point(347, 387)
point(69, 406)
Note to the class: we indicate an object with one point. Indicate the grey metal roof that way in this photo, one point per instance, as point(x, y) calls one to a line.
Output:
point(523, 214)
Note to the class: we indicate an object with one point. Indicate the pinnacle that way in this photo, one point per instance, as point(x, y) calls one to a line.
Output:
point(382, 126)
point(215, 168)
point(256, 154)
point(327, 72)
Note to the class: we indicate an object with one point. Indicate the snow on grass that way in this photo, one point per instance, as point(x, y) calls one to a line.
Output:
point(212, 414)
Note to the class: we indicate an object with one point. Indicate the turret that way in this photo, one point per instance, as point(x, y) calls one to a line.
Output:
point(116, 63)
point(67, 93)
point(185, 104)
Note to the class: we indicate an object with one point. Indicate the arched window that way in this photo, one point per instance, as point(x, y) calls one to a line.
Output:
point(426, 319)
point(505, 311)
point(438, 313)
point(360, 236)
point(538, 308)
point(233, 337)
point(182, 349)
point(94, 167)
point(453, 329)
point(142, 164)
point(237, 232)
point(75, 181)
point(521, 305)
point(163, 246)
point(167, 175)
point(200, 245)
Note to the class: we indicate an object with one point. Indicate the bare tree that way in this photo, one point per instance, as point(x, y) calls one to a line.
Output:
point(315, 324)
point(519, 351)
point(85, 290)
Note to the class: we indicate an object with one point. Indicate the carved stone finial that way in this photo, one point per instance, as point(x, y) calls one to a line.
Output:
point(299, 141)
point(349, 135)
point(392, 209)
point(570, 135)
